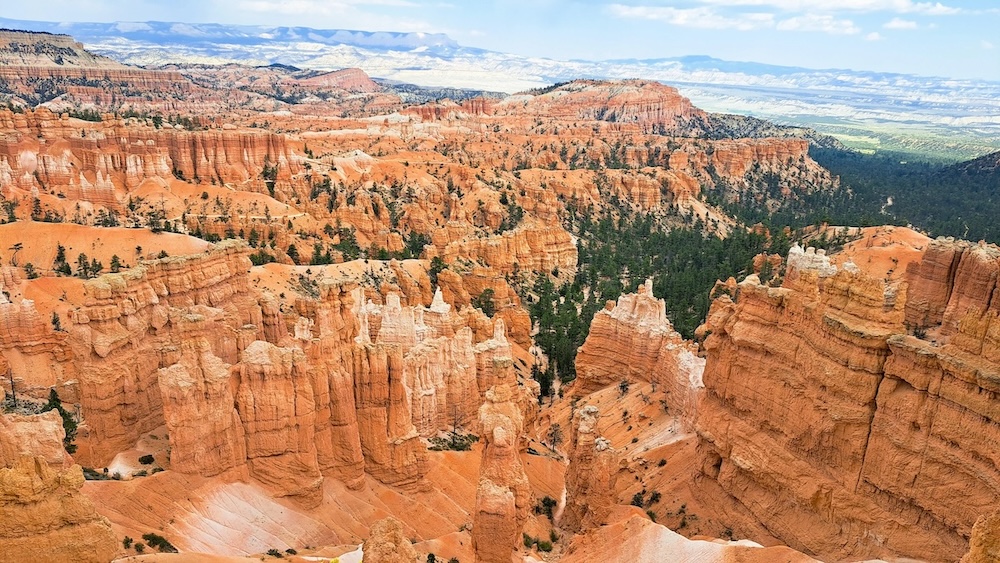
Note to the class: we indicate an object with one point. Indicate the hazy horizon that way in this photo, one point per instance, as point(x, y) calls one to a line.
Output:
point(947, 39)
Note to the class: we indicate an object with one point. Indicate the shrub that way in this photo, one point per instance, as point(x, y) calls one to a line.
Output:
point(141, 473)
point(546, 506)
point(544, 545)
point(484, 301)
point(431, 558)
point(126, 542)
point(661, 463)
point(69, 422)
point(260, 258)
point(159, 542)
point(453, 560)
point(651, 514)
point(638, 499)
point(274, 553)
point(147, 459)
point(90, 474)
point(528, 540)
point(140, 547)
point(454, 442)
point(291, 551)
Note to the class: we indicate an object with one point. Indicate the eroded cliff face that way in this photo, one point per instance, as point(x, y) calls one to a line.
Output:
point(36, 357)
point(503, 498)
point(41, 507)
point(844, 435)
point(249, 386)
point(632, 340)
point(591, 477)
point(98, 162)
point(648, 104)
point(137, 322)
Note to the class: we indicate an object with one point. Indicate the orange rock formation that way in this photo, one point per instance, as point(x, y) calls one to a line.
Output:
point(634, 341)
point(591, 477)
point(985, 543)
point(503, 498)
point(42, 510)
point(387, 544)
point(828, 421)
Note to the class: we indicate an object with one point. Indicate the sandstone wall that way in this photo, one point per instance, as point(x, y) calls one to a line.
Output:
point(847, 437)
point(43, 514)
point(633, 340)
point(88, 162)
point(503, 498)
point(137, 322)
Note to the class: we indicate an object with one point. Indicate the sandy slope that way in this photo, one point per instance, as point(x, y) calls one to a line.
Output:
point(212, 516)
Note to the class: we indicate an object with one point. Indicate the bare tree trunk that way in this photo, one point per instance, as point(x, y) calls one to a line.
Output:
point(10, 374)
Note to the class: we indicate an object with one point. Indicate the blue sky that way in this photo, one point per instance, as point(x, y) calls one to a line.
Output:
point(952, 38)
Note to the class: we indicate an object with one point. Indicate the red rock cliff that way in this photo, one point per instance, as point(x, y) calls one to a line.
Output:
point(843, 434)
point(43, 514)
point(634, 341)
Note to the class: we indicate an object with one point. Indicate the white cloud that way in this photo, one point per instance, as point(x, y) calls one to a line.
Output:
point(371, 15)
point(709, 18)
point(703, 18)
point(986, 45)
point(830, 6)
point(315, 6)
point(873, 36)
point(900, 23)
point(823, 23)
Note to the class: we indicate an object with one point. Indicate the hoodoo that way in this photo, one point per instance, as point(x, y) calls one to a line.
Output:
point(254, 311)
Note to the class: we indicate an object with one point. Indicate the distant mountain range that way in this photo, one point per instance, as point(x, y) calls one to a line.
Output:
point(938, 117)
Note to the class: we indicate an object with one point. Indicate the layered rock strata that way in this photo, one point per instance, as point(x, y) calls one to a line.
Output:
point(249, 388)
point(44, 151)
point(633, 340)
point(503, 498)
point(825, 419)
point(137, 322)
point(38, 358)
point(41, 506)
point(591, 477)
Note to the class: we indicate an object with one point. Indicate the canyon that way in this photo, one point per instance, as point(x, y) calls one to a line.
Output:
point(271, 310)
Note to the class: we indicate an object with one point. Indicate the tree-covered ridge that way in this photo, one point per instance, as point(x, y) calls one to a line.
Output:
point(617, 252)
point(960, 200)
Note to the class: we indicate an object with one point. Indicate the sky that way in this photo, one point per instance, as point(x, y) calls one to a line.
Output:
point(950, 38)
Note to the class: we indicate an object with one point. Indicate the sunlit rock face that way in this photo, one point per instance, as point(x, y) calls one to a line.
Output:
point(632, 340)
point(503, 498)
point(826, 418)
point(42, 509)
